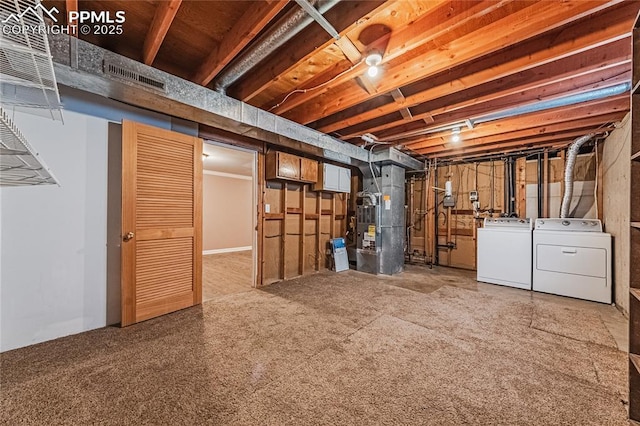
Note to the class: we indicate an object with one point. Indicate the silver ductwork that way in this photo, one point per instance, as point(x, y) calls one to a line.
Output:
point(572, 153)
point(282, 31)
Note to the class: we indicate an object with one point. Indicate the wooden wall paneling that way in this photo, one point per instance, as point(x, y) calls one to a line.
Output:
point(301, 258)
point(283, 231)
point(318, 229)
point(332, 233)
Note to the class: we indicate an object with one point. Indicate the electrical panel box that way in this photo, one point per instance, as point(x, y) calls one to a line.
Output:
point(333, 178)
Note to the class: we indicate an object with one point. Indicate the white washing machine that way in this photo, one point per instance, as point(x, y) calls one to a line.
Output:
point(572, 257)
point(504, 252)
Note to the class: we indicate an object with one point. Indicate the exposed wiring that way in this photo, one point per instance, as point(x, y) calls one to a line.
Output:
point(310, 89)
point(372, 172)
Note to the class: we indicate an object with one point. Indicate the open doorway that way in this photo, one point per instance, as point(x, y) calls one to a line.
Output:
point(228, 220)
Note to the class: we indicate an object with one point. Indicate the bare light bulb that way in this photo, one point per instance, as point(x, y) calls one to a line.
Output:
point(455, 134)
point(373, 60)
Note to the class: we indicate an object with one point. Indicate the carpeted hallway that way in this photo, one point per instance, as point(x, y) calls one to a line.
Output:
point(226, 273)
point(428, 347)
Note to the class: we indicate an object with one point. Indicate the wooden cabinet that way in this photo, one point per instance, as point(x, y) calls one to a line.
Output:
point(283, 166)
point(333, 178)
point(308, 170)
point(634, 235)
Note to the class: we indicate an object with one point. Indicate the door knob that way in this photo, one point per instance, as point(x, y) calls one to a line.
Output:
point(128, 237)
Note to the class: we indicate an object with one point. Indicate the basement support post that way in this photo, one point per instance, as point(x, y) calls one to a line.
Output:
point(540, 194)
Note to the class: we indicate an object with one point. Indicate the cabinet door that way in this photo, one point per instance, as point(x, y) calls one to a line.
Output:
point(331, 178)
point(309, 170)
point(288, 166)
point(345, 180)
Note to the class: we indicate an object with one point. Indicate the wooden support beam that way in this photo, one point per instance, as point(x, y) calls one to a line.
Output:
point(260, 212)
point(255, 18)
point(303, 218)
point(332, 232)
point(165, 13)
point(559, 115)
point(561, 58)
point(545, 184)
point(344, 17)
point(72, 6)
point(283, 230)
point(439, 19)
point(398, 97)
point(593, 69)
point(521, 187)
point(318, 229)
point(470, 42)
point(524, 137)
point(576, 85)
point(406, 114)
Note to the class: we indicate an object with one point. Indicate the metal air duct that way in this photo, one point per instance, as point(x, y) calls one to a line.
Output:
point(281, 32)
point(572, 153)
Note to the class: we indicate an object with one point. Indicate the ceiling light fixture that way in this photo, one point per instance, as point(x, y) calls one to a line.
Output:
point(373, 60)
point(455, 134)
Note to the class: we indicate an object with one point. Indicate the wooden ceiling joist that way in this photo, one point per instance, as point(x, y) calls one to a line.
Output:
point(522, 67)
point(523, 137)
point(469, 42)
point(72, 6)
point(343, 17)
point(443, 17)
point(248, 26)
point(460, 112)
point(566, 115)
point(165, 13)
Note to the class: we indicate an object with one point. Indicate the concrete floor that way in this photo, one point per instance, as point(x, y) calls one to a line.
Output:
point(426, 347)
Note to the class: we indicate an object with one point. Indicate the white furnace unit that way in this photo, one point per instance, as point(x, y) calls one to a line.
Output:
point(572, 257)
point(504, 252)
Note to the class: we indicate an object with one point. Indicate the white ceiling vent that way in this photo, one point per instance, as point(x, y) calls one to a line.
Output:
point(133, 76)
point(20, 165)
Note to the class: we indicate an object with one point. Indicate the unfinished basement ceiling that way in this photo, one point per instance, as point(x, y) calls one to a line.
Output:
point(488, 67)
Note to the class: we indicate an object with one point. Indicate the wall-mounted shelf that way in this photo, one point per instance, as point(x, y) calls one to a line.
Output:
point(20, 165)
point(26, 67)
point(634, 237)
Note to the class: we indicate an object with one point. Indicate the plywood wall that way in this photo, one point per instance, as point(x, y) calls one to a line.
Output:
point(456, 240)
point(297, 228)
point(457, 227)
point(617, 187)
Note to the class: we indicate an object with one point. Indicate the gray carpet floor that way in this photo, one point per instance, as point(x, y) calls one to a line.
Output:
point(330, 349)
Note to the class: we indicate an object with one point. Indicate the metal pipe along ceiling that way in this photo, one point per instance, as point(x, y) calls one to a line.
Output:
point(282, 31)
point(591, 95)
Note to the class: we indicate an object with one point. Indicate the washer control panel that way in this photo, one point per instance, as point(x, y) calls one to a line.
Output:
point(508, 222)
point(574, 225)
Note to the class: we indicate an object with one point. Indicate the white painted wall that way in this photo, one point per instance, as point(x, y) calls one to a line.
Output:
point(53, 239)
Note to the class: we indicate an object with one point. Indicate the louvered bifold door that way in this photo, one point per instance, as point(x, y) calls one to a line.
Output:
point(161, 222)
